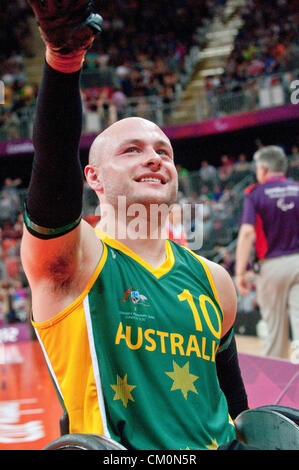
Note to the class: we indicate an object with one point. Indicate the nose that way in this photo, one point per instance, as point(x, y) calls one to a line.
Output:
point(153, 160)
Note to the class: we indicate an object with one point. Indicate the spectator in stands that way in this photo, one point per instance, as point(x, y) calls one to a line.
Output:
point(183, 174)
point(226, 168)
point(293, 170)
point(10, 185)
point(4, 301)
point(217, 193)
point(206, 192)
point(19, 301)
point(119, 100)
point(227, 261)
point(207, 172)
point(242, 165)
point(11, 125)
point(3, 272)
point(194, 198)
point(294, 157)
point(6, 209)
point(242, 168)
point(9, 199)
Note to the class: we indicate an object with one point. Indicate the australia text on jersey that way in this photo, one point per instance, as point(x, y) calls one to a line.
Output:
point(175, 343)
point(167, 342)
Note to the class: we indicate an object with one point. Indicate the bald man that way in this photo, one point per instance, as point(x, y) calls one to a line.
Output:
point(137, 332)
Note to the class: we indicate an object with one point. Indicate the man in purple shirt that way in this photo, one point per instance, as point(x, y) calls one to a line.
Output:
point(271, 217)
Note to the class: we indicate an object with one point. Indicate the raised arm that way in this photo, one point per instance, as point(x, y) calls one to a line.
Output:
point(55, 240)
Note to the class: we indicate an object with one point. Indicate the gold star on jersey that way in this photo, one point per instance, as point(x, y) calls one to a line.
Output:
point(123, 390)
point(182, 379)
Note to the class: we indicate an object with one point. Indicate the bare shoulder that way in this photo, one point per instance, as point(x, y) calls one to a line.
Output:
point(59, 269)
point(226, 292)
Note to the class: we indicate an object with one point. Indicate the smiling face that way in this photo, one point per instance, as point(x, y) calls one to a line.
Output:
point(133, 158)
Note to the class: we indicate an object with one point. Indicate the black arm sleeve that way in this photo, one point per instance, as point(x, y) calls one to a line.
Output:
point(230, 378)
point(54, 197)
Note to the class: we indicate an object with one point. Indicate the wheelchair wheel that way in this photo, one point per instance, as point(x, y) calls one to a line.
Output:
point(269, 428)
point(83, 442)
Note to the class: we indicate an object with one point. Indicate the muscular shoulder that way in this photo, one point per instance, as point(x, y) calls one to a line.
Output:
point(226, 293)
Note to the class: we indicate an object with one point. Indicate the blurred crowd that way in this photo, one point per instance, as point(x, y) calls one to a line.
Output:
point(266, 44)
point(144, 57)
point(14, 29)
point(142, 50)
point(140, 53)
point(14, 48)
point(14, 290)
point(213, 194)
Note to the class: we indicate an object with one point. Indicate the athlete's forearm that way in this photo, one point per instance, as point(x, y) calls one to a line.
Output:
point(230, 378)
point(55, 190)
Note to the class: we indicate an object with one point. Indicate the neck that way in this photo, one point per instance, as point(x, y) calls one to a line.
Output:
point(142, 234)
point(151, 251)
point(274, 174)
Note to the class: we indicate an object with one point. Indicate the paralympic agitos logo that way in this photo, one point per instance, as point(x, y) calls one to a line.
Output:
point(295, 95)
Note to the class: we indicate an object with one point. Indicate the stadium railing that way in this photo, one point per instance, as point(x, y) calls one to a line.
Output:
point(257, 93)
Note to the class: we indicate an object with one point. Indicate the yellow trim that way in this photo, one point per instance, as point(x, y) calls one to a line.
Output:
point(70, 308)
point(209, 276)
point(165, 267)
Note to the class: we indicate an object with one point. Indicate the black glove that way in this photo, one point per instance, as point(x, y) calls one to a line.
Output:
point(67, 25)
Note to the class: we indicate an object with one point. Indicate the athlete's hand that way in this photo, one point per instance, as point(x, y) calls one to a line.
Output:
point(67, 26)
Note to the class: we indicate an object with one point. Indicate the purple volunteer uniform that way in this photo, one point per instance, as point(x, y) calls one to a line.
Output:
point(273, 209)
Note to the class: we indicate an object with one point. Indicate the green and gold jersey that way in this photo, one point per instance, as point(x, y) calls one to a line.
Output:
point(133, 358)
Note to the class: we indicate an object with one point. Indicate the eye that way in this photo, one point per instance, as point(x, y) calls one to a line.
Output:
point(164, 152)
point(131, 150)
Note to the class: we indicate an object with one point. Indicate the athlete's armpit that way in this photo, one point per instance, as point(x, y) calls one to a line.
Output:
point(61, 261)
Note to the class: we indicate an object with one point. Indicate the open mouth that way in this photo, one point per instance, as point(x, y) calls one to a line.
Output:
point(158, 179)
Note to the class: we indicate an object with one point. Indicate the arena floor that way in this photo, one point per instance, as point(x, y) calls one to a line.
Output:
point(249, 344)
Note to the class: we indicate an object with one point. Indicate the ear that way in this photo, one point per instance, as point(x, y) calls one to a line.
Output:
point(265, 169)
point(92, 177)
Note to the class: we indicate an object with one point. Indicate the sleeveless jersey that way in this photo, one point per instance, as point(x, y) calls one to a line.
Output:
point(133, 357)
